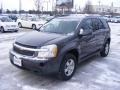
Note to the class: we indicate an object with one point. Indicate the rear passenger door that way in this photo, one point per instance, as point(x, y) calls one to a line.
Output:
point(99, 31)
point(24, 21)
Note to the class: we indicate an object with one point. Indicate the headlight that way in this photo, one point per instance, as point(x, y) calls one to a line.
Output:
point(48, 51)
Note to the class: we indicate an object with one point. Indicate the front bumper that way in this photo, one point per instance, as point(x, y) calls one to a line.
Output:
point(11, 29)
point(33, 64)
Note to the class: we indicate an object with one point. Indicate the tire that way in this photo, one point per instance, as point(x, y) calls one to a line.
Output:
point(2, 29)
point(34, 27)
point(105, 51)
point(16, 31)
point(67, 67)
point(19, 25)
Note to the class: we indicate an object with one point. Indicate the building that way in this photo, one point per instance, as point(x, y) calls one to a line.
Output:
point(106, 9)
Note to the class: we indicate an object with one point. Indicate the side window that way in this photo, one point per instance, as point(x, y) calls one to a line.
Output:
point(87, 24)
point(95, 24)
point(105, 23)
point(23, 18)
point(101, 25)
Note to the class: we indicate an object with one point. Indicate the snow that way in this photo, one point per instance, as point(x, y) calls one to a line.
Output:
point(96, 73)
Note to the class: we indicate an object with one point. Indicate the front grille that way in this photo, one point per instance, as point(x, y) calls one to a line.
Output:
point(23, 52)
point(28, 46)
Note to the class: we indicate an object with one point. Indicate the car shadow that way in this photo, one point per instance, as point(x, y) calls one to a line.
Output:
point(9, 32)
point(28, 28)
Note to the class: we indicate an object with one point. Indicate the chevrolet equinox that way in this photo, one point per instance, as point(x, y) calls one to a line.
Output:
point(61, 44)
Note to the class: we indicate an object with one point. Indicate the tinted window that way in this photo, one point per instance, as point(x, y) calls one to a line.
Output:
point(95, 23)
point(87, 24)
point(101, 26)
point(105, 23)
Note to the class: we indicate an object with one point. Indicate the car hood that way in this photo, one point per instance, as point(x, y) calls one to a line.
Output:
point(38, 39)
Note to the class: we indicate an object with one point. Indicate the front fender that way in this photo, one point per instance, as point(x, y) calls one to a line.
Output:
point(72, 45)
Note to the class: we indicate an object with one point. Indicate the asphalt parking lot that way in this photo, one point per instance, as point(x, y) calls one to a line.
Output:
point(97, 73)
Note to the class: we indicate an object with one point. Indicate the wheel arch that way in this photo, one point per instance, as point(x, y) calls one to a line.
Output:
point(33, 24)
point(19, 22)
point(73, 52)
point(1, 26)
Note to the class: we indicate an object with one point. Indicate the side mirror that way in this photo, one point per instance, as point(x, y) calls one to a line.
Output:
point(83, 32)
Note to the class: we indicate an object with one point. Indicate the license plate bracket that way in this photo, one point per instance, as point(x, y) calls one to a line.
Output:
point(17, 61)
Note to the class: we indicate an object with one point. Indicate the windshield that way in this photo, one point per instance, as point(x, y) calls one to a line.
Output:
point(33, 19)
point(60, 26)
point(5, 19)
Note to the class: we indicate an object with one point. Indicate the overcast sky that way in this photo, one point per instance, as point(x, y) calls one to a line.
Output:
point(29, 4)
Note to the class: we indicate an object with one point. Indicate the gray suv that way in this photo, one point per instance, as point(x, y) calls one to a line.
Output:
point(61, 45)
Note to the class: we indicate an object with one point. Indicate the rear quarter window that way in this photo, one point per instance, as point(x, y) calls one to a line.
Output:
point(101, 24)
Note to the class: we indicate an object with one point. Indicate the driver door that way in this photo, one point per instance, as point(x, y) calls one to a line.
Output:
point(87, 42)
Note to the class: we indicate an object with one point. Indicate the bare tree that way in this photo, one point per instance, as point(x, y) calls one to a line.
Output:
point(38, 5)
point(20, 6)
point(88, 8)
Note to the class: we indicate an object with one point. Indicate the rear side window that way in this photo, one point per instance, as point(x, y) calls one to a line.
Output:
point(101, 25)
point(97, 24)
point(105, 24)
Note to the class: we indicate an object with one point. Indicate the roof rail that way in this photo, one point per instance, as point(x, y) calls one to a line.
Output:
point(61, 15)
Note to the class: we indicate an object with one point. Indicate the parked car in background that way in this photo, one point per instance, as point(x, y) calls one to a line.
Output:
point(30, 22)
point(7, 24)
point(115, 19)
point(107, 18)
point(47, 18)
point(61, 45)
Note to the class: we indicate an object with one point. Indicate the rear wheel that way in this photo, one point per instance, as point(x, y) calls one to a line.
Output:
point(34, 27)
point(16, 31)
point(2, 29)
point(19, 25)
point(68, 67)
point(105, 50)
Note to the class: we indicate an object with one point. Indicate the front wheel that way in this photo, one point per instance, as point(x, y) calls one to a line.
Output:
point(2, 29)
point(105, 50)
point(68, 67)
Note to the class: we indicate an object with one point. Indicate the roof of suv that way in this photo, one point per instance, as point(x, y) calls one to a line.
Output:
point(78, 16)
